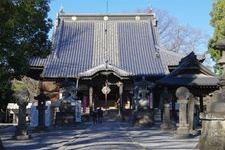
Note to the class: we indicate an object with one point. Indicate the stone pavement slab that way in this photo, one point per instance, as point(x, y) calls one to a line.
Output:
point(109, 135)
point(54, 138)
point(154, 139)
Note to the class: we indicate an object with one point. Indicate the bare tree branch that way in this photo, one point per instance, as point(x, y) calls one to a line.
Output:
point(176, 37)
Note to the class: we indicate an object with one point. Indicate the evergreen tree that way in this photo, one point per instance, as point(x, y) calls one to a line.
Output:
point(218, 22)
point(24, 27)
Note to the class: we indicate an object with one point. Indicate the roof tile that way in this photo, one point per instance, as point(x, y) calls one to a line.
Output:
point(87, 42)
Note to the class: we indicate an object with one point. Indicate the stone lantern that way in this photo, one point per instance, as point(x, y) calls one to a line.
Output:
point(22, 97)
point(42, 98)
point(142, 88)
point(213, 121)
point(143, 114)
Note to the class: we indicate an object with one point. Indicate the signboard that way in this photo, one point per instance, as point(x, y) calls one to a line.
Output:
point(78, 111)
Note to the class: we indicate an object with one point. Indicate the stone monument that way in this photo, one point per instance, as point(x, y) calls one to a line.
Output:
point(213, 120)
point(22, 97)
point(182, 94)
point(165, 101)
point(166, 122)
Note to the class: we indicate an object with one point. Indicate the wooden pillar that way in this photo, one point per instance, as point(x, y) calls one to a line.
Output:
point(121, 94)
point(201, 104)
point(120, 85)
point(90, 96)
point(77, 83)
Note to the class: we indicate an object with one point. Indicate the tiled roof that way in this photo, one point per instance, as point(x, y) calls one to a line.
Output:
point(83, 42)
point(190, 72)
point(191, 79)
point(37, 62)
point(170, 58)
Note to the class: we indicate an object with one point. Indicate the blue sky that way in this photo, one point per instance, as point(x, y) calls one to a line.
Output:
point(188, 12)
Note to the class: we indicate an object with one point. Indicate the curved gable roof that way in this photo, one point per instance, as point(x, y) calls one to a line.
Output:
point(190, 71)
point(104, 67)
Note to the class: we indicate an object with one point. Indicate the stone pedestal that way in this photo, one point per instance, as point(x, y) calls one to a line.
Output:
point(213, 124)
point(213, 132)
point(166, 124)
point(213, 121)
point(21, 132)
point(143, 118)
point(41, 119)
point(22, 97)
point(41, 112)
point(183, 127)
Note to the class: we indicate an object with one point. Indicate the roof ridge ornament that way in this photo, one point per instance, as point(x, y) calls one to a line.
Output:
point(61, 10)
point(105, 18)
point(106, 64)
point(74, 18)
point(190, 57)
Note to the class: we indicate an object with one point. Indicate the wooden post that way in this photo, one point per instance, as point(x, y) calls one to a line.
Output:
point(120, 85)
point(90, 97)
point(106, 107)
point(201, 104)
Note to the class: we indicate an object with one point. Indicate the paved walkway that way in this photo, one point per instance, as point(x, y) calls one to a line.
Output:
point(109, 135)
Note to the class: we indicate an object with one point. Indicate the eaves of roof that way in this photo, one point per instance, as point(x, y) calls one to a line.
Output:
point(104, 67)
point(198, 80)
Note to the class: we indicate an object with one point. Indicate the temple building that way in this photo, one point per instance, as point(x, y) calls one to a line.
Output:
point(192, 74)
point(106, 57)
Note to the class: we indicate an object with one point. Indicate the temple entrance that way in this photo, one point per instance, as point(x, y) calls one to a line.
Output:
point(106, 92)
point(108, 87)
point(106, 101)
point(110, 92)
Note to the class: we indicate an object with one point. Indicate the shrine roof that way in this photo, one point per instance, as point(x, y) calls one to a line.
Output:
point(190, 71)
point(84, 41)
point(191, 79)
